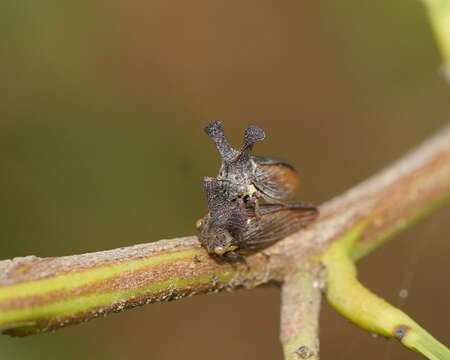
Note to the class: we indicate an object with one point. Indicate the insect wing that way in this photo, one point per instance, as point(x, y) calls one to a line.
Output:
point(276, 222)
point(275, 179)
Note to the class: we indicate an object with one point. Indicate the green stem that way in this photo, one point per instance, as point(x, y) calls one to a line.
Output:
point(96, 289)
point(358, 304)
point(439, 14)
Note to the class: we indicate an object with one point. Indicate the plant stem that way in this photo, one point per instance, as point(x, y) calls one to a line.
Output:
point(300, 306)
point(358, 304)
point(439, 14)
point(42, 294)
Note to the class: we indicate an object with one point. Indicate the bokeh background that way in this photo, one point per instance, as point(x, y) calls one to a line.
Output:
point(102, 105)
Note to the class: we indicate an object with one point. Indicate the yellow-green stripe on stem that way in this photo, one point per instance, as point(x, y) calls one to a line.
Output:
point(358, 304)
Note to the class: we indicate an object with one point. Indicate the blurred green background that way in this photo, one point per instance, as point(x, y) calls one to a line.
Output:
point(102, 106)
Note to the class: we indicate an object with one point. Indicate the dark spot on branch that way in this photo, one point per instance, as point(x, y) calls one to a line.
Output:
point(214, 280)
point(304, 352)
point(400, 331)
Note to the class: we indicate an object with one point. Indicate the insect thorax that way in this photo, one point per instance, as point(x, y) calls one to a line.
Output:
point(238, 179)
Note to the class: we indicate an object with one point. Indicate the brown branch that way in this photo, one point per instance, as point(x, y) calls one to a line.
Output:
point(40, 294)
point(300, 307)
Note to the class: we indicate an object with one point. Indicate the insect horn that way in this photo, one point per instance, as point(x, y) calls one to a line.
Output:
point(215, 131)
point(252, 135)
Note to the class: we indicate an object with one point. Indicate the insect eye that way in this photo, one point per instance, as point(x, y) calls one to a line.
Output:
point(246, 198)
point(199, 224)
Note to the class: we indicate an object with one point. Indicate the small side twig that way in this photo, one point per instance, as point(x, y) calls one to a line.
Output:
point(357, 303)
point(300, 307)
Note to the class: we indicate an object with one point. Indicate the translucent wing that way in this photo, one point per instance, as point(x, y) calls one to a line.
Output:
point(276, 222)
point(275, 179)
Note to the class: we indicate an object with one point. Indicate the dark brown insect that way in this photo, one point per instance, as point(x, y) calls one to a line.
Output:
point(236, 223)
point(231, 228)
point(251, 177)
